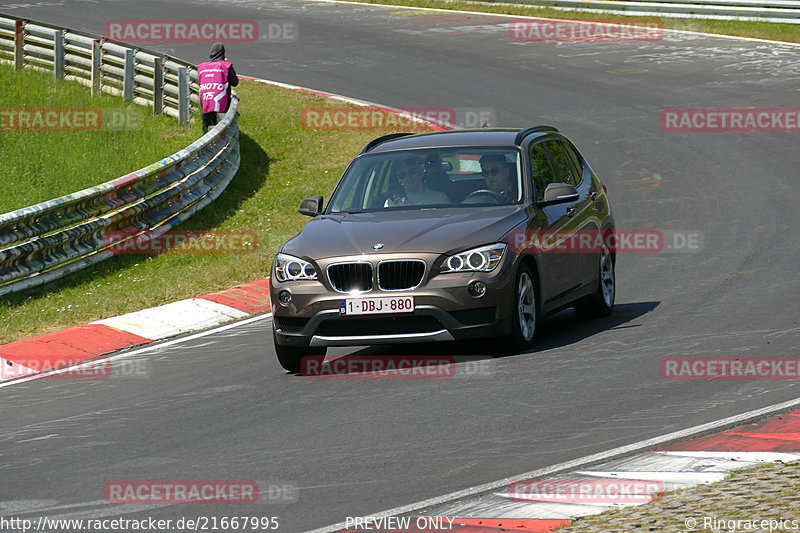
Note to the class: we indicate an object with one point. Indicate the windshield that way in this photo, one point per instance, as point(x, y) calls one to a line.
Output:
point(428, 178)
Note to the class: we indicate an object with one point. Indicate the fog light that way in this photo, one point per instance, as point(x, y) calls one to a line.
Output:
point(284, 297)
point(477, 288)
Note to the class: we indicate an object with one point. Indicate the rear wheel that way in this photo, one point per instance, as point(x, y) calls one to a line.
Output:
point(291, 357)
point(524, 312)
point(601, 303)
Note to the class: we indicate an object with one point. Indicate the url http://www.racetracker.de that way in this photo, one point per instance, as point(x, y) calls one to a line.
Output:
point(200, 523)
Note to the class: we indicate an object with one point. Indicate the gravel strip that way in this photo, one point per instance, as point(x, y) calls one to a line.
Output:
point(759, 498)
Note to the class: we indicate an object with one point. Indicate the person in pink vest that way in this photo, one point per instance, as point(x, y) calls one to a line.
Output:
point(216, 77)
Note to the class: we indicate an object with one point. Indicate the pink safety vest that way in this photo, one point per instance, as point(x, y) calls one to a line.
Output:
point(213, 79)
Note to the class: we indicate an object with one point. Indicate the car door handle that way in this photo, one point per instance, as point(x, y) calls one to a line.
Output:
point(571, 211)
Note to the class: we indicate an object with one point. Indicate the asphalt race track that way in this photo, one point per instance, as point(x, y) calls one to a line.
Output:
point(219, 406)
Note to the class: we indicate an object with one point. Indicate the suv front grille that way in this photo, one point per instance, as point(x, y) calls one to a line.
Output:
point(400, 275)
point(346, 277)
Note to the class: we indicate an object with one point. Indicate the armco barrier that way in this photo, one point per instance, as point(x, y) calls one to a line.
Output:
point(786, 11)
point(145, 77)
point(57, 237)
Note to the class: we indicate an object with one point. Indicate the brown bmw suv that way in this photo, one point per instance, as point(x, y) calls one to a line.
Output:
point(446, 236)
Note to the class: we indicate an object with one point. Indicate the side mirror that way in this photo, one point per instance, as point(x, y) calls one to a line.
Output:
point(311, 206)
point(559, 193)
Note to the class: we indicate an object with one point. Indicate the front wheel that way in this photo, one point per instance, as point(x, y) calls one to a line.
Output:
point(524, 311)
point(601, 303)
point(291, 357)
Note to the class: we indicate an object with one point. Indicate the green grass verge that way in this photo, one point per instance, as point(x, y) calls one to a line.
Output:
point(759, 30)
point(40, 165)
point(282, 163)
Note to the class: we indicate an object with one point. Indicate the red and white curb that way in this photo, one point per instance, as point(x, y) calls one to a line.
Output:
point(620, 482)
point(74, 345)
point(173, 319)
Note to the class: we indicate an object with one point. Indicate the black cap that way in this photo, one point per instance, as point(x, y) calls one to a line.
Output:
point(217, 52)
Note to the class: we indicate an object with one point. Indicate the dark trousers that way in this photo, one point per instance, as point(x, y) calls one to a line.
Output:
point(210, 119)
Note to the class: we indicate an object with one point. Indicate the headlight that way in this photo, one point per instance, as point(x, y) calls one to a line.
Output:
point(290, 268)
point(481, 259)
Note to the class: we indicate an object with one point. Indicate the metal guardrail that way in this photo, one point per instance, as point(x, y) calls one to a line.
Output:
point(49, 240)
point(143, 76)
point(783, 11)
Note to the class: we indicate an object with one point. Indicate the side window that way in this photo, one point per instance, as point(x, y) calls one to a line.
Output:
point(562, 164)
point(541, 171)
point(575, 158)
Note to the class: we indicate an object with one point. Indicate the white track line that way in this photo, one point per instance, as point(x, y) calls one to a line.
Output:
point(568, 465)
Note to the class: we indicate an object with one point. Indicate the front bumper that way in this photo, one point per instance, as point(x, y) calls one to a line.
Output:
point(444, 310)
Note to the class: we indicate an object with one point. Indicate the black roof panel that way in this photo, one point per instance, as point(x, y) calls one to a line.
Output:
point(477, 137)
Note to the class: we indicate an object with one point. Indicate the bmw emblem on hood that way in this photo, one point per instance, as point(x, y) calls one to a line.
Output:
point(377, 246)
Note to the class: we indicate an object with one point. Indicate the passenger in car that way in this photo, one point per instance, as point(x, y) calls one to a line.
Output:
point(409, 174)
point(497, 174)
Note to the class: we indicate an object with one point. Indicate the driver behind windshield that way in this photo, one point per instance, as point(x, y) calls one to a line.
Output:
point(497, 175)
point(409, 174)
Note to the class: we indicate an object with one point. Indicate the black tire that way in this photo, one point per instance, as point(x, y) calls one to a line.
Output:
point(601, 303)
point(291, 357)
point(524, 309)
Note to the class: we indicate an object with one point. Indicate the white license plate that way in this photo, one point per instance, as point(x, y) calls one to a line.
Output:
point(376, 306)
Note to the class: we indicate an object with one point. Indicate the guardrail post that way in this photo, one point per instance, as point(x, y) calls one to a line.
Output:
point(158, 85)
point(128, 77)
point(97, 67)
point(183, 96)
point(58, 55)
point(19, 43)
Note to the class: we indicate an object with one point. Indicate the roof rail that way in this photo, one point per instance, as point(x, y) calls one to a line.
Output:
point(533, 129)
point(375, 142)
